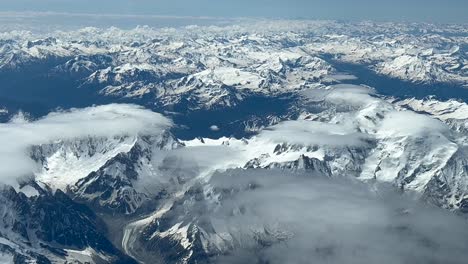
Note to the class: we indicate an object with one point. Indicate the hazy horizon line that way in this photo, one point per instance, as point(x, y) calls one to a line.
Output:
point(31, 14)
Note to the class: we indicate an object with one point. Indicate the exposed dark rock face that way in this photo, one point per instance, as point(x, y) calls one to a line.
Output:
point(42, 227)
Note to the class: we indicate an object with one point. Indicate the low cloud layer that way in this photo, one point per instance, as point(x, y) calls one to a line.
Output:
point(407, 123)
point(17, 136)
point(348, 94)
point(333, 133)
point(303, 132)
point(281, 217)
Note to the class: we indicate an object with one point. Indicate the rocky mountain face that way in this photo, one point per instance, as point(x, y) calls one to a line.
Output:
point(184, 194)
point(204, 68)
point(52, 228)
point(343, 132)
point(111, 187)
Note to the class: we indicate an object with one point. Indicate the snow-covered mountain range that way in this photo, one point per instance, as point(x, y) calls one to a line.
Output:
point(262, 132)
point(216, 66)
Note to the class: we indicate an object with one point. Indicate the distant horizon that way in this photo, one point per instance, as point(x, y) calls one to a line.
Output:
point(426, 11)
point(50, 20)
point(169, 16)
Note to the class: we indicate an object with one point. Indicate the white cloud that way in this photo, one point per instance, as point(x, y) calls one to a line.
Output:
point(349, 95)
point(303, 132)
point(407, 123)
point(111, 120)
point(342, 77)
point(282, 217)
point(353, 95)
point(214, 128)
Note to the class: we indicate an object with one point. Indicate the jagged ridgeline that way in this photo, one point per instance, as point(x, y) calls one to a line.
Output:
point(272, 142)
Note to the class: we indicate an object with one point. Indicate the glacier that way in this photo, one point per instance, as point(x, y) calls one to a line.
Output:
point(267, 141)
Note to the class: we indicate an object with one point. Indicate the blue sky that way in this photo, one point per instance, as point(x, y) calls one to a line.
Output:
point(387, 10)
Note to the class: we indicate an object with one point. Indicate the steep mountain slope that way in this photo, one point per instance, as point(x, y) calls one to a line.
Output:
point(314, 150)
point(152, 182)
point(51, 228)
point(213, 67)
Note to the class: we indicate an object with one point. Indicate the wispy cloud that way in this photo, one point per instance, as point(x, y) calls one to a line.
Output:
point(17, 136)
point(283, 217)
point(309, 133)
point(31, 14)
point(47, 22)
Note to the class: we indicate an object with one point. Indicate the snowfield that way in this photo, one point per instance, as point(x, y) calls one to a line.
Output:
point(263, 141)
